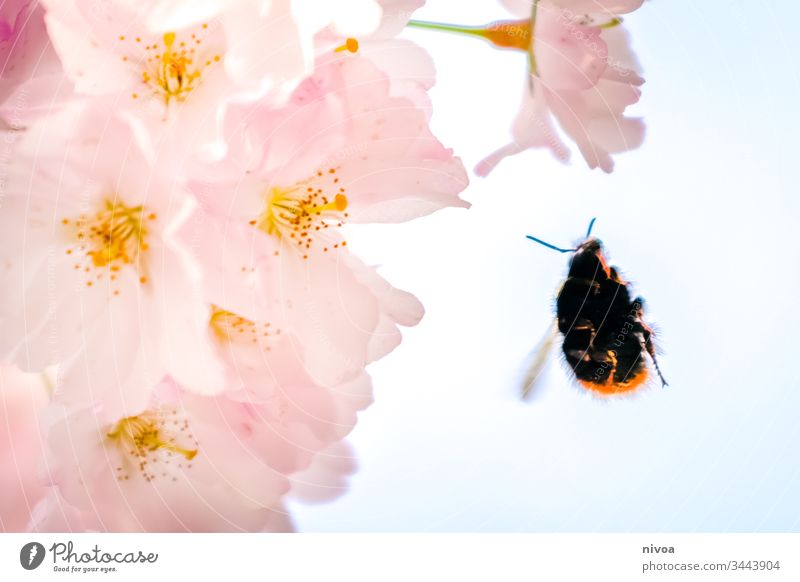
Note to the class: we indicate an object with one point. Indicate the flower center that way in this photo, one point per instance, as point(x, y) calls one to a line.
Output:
point(232, 328)
point(174, 67)
point(148, 440)
point(114, 236)
point(301, 215)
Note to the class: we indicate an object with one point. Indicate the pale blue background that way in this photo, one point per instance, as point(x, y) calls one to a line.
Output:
point(703, 219)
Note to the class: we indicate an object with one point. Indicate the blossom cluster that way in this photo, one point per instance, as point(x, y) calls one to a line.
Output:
point(185, 331)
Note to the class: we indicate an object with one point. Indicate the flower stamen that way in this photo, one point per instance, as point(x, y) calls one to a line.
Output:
point(302, 213)
point(350, 45)
point(113, 237)
point(231, 328)
point(172, 67)
point(146, 439)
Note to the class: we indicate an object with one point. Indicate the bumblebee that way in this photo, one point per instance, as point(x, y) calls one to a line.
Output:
point(605, 339)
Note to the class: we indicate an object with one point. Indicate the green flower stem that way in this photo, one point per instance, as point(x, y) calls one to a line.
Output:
point(454, 28)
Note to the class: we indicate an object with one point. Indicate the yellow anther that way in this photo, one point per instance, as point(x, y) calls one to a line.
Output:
point(350, 45)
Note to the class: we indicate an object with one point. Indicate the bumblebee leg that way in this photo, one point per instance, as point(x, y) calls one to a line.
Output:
point(648, 345)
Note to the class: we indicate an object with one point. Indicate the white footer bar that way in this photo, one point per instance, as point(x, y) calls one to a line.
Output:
point(406, 557)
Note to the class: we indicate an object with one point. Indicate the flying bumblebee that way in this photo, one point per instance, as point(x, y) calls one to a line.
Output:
point(605, 340)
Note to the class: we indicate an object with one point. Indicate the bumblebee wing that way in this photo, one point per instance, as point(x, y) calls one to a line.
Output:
point(539, 359)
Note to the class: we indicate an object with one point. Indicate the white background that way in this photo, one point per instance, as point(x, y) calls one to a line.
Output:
point(702, 219)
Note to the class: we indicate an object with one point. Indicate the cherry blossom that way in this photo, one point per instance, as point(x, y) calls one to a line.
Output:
point(583, 76)
point(91, 276)
point(271, 237)
point(167, 467)
point(199, 463)
point(172, 86)
point(174, 67)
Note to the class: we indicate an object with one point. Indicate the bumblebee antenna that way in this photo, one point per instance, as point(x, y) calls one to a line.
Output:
point(549, 246)
point(560, 250)
point(591, 225)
